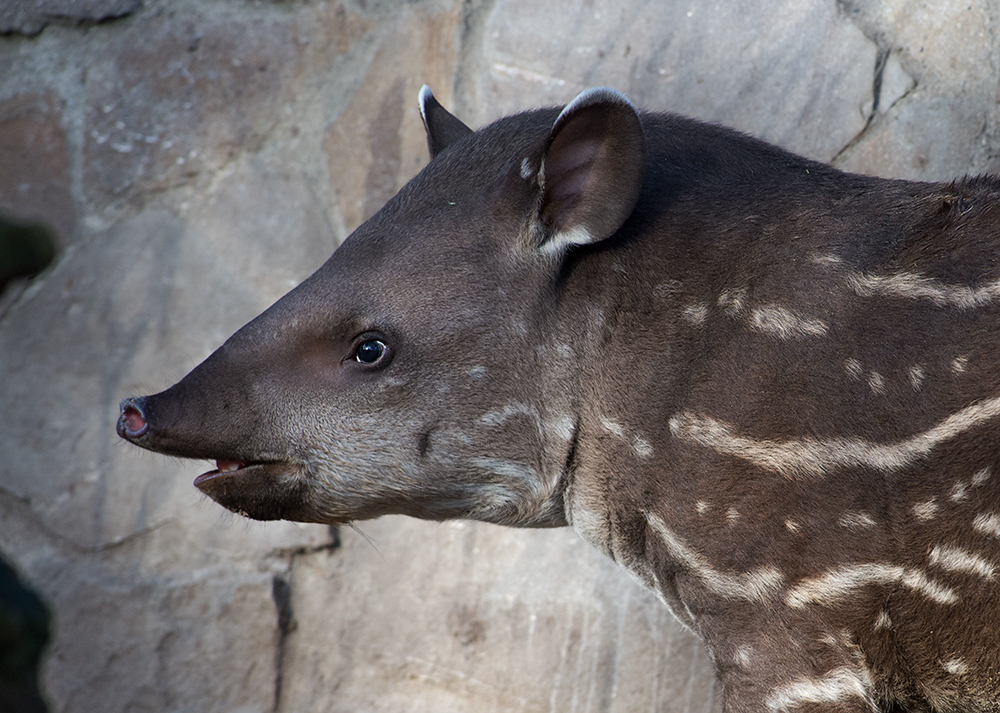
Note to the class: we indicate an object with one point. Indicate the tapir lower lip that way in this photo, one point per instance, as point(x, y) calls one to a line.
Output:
point(260, 490)
point(243, 469)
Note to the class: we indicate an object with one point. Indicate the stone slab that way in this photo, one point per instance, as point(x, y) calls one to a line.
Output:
point(35, 182)
point(171, 97)
point(798, 75)
point(495, 620)
point(30, 17)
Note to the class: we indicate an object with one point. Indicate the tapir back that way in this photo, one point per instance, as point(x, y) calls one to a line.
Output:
point(796, 412)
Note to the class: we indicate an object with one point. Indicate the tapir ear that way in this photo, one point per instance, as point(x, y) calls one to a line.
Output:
point(592, 170)
point(443, 129)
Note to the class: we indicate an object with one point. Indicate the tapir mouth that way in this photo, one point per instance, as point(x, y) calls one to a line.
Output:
point(224, 468)
point(234, 479)
point(261, 490)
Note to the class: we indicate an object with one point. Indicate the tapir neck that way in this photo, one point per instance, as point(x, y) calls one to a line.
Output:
point(652, 312)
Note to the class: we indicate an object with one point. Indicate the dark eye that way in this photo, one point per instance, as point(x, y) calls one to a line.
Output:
point(370, 351)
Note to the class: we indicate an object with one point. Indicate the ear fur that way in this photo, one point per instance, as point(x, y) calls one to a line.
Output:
point(592, 170)
point(442, 128)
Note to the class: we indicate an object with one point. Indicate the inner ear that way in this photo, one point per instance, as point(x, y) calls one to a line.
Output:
point(592, 170)
point(442, 128)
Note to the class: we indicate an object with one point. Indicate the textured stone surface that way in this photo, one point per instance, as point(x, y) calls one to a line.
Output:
point(947, 126)
point(200, 158)
point(31, 16)
point(377, 143)
point(35, 180)
point(168, 99)
point(797, 75)
point(496, 620)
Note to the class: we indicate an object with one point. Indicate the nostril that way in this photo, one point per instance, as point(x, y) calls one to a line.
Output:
point(132, 422)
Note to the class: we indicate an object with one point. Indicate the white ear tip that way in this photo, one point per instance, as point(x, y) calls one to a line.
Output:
point(425, 95)
point(566, 239)
point(595, 95)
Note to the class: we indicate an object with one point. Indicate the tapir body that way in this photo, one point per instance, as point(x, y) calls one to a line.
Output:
point(767, 388)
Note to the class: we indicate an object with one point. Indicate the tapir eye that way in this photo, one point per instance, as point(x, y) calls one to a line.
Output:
point(370, 351)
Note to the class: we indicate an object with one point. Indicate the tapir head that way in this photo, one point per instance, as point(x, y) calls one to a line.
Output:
point(420, 370)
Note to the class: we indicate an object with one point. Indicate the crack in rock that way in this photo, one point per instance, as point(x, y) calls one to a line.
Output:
point(890, 85)
point(880, 61)
point(281, 593)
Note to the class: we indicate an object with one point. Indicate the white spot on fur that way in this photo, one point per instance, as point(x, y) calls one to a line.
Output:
point(507, 469)
point(856, 520)
point(981, 476)
point(792, 526)
point(785, 324)
point(959, 491)
point(696, 314)
point(830, 588)
point(477, 372)
point(732, 515)
point(757, 585)
point(876, 382)
point(910, 285)
point(526, 170)
point(732, 301)
point(826, 260)
point(613, 427)
point(642, 447)
point(958, 365)
point(882, 621)
point(500, 416)
point(833, 687)
point(927, 510)
point(916, 373)
point(562, 427)
point(918, 581)
point(955, 559)
point(639, 444)
point(956, 667)
point(585, 514)
point(702, 507)
point(743, 656)
point(812, 457)
point(854, 369)
point(668, 288)
point(596, 317)
point(987, 524)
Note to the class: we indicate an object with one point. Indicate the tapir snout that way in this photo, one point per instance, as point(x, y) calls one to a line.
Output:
point(256, 489)
point(192, 420)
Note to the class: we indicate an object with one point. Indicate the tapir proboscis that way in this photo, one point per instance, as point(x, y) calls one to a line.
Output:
point(767, 388)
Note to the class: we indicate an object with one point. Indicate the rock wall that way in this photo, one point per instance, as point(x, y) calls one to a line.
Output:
point(197, 159)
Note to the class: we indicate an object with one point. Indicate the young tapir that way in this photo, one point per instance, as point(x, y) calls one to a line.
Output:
point(767, 388)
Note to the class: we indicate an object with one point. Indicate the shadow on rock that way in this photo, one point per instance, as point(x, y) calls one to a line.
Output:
point(24, 631)
point(25, 250)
